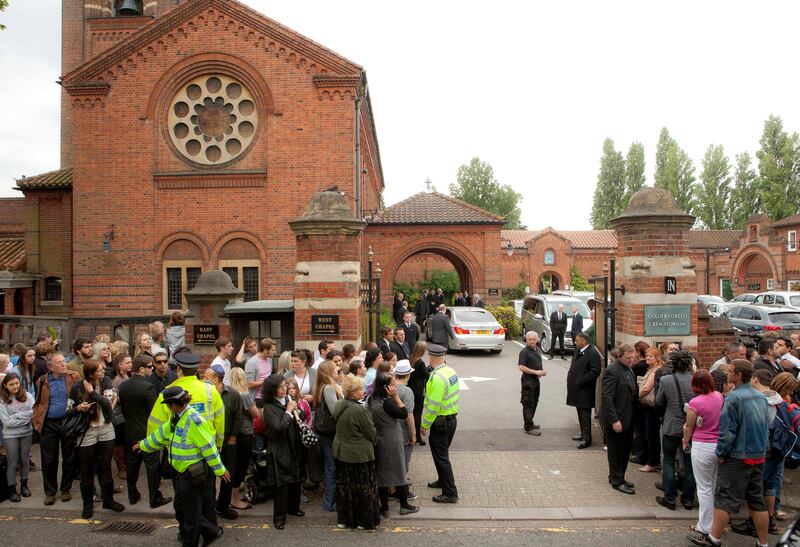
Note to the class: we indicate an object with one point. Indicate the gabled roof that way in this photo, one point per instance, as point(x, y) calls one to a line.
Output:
point(592, 239)
point(713, 239)
point(788, 221)
point(61, 178)
point(12, 254)
point(518, 238)
point(160, 26)
point(434, 208)
point(607, 239)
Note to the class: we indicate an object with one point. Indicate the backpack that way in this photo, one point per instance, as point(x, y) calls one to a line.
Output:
point(786, 433)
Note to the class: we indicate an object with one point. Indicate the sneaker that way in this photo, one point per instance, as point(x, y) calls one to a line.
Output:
point(701, 539)
point(341, 526)
point(411, 496)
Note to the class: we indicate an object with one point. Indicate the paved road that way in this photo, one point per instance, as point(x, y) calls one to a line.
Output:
point(490, 417)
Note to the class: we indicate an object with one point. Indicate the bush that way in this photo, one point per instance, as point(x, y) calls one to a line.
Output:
point(386, 318)
point(507, 317)
point(577, 282)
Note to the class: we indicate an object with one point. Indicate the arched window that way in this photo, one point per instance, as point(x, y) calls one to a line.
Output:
point(549, 257)
point(52, 289)
point(239, 259)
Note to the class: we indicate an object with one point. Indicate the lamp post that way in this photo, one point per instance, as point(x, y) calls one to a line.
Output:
point(371, 257)
point(510, 249)
point(378, 273)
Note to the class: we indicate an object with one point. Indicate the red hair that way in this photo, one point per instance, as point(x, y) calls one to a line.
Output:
point(702, 382)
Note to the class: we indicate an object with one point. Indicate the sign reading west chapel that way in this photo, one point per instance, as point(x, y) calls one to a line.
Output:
point(662, 320)
point(323, 325)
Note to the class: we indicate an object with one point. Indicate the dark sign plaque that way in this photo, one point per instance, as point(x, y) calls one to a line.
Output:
point(206, 334)
point(754, 286)
point(494, 292)
point(670, 285)
point(324, 325)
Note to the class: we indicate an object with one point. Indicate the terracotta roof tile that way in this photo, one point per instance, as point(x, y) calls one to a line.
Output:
point(591, 239)
point(607, 239)
point(788, 221)
point(61, 178)
point(434, 208)
point(713, 239)
point(12, 254)
point(518, 238)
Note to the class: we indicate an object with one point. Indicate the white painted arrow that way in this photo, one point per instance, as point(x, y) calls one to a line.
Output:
point(462, 384)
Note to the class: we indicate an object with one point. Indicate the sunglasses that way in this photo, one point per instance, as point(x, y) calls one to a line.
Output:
point(151, 367)
point(160, 362)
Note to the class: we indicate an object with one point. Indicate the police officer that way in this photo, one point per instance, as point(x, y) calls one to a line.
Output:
point(195, 458)
point(439, 416)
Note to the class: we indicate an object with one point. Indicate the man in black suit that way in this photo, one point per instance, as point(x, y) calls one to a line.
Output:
point(387, 337)
point(618, 395)
point(411, 330)
point(399, 345)
point(137, 395)
point(577, 323)
point(162, 376)
point(581, 384)
point(396, 305)
point(558, 327)
point(423, 309)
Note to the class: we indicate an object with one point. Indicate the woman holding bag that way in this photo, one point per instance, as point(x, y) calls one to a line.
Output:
point(327, 393)
point(650, 454)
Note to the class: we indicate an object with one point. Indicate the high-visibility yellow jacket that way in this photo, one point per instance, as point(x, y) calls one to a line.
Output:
point(188, 441)
point(441, 395)
point(205, 400)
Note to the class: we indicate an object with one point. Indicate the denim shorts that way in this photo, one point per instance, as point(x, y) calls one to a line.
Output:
point(773, 471)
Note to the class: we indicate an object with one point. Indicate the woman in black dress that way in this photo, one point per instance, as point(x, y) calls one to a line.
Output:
point(417, 383)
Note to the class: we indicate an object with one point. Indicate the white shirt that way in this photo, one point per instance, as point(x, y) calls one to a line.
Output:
point(792, 359)
point(226, 365)
point(315, 366)
point(718, 363)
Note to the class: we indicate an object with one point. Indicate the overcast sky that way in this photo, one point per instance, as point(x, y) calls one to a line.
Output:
point(533, 88)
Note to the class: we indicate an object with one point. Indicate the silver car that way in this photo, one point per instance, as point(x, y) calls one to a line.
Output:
point(473, 328)
point(536, 317)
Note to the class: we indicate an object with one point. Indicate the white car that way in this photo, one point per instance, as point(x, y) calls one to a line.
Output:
point(473, 328)
point(789, 299)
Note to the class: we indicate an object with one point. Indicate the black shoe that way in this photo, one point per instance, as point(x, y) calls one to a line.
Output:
point(385, 514)
point(24, 490)
point(434, 484)
point(534, 432)
point(421, 442)
point(537, 426)
point(88, 511)
point(583, 445)
point(407, 510)
point(12, 494)
point(299, 513)
point(134, 498)
point(577, 437)
point(624, 488)
point(228, 513)
point(445, 499)
point(114, 506)
point(220, 531)
point(744, 528)
point(279, 525)
point(664, 502)
point(702, 540)
point(773, 528)
point(160, 501)
point(688, 506)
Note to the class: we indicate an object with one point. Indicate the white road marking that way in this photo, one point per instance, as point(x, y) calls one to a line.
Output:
point(520, 344)
point(462, 384)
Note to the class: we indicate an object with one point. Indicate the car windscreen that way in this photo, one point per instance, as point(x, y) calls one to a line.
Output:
point(473, 316)
point(794, 300)
point(582, 307)
point(784, 318)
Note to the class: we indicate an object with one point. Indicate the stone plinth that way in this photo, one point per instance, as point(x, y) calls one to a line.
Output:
point(653, 245)
point(206, 319)
point(328, 272)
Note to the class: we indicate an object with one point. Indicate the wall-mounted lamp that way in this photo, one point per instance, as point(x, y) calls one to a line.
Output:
point(736, 281)
point(108, 237)
point(510, 249)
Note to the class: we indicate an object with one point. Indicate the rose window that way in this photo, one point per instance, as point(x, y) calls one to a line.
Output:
point(212, 119)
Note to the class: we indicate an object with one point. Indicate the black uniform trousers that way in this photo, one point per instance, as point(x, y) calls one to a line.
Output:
point(133, 464)
point(530, 400)
point(441, 436)
point(619, 450)
point(585, 422)
point(560, 339)
point(49, 440)
point(194, 508)
point(228, 457)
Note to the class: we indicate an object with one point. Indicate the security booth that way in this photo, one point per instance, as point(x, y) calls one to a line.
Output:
point(263, 319)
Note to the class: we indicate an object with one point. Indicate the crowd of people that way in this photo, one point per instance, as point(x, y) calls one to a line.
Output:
point(339, 421)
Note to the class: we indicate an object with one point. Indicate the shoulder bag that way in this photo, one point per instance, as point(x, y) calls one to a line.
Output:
point(324, 422)
point(688, 448)
point(650, 398)
point(307, 435)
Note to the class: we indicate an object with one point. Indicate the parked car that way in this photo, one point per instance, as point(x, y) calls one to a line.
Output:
point(747, 297)
point(517, 304)
point(536, 312)
point(718, 308)
point(710, 299)
point(473, 328)
point(756, 320)
point(581, 295)
point(778, 298)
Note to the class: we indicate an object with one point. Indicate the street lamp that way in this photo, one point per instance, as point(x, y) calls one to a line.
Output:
point(510, 249)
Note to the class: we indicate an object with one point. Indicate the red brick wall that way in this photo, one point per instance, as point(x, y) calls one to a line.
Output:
point(12, 217)
point(419, 267)
point(710, 341)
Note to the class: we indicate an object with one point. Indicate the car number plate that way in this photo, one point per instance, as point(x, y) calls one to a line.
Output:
point(481, 332)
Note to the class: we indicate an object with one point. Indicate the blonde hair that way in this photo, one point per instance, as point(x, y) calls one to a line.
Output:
point(97, 347)
point(117, 347)
point(326, 376)
point(102, 339)
point(284, 363)
point(4, 361)
point(292, 382)
point(350, 385)
point(237, 379)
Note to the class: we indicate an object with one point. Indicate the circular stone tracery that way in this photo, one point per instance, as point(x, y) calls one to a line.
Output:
point(212, 119)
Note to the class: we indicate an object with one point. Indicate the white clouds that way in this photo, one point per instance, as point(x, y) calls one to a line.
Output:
point(531, 87)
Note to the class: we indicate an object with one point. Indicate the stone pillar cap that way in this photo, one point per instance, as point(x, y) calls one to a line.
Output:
point(214, 283)
point(654, 202)
point(327, 212)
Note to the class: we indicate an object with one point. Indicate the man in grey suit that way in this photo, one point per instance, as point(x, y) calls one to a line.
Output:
point(440, 327)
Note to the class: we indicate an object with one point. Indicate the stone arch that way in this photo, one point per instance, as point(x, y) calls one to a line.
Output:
point(745, 259)
point(557, 282)
point(165, 245)
point(224, 245)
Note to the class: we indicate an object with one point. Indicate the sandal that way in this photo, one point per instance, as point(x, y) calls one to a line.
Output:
point(648, 469)
point(694, 529)
point(780, 515)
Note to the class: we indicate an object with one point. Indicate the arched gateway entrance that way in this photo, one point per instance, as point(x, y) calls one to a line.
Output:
point(754, 271)
point(431, 223)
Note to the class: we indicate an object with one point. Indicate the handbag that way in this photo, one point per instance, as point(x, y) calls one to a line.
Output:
point(324, 422)
point(307, 435)
point(688, 448)
point(75, 425)
point(650, 398)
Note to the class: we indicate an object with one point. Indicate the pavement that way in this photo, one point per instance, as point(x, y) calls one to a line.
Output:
point(502, 474)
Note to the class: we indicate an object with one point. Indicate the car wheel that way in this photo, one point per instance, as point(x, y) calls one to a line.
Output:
point(544, 344)
point(496, 351)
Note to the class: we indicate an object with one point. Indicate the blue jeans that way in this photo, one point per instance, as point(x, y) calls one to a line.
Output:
point(671, 445)
point(329, 478)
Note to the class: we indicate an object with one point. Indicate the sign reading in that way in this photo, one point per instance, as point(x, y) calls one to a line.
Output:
point(668, 320)
point(670, 285)
point(206, 334)
point(324, 325)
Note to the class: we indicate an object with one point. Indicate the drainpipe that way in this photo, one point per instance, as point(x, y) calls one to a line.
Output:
point(360, 95)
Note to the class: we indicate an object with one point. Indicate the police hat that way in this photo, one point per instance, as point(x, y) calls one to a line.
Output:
point(436, 350)
point(173, 394)
point(186, 359)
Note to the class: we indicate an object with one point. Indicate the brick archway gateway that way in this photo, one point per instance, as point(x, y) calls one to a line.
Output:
point(750, 268)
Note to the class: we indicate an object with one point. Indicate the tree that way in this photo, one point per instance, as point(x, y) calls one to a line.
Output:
point(778, 180)
point(609, 194)
point(577, 281)
point(634, 171)
point(476, 185)
point(745, 199)
point(674, 170)
point(665, 144)
point(714, 190)
point(3, 6)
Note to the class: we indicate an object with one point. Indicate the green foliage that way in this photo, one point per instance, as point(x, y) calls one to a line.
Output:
point(744, 196)
point(609, 194)
point(3, 6)
point(714, 190)
point(386, 316)
point(634, 171)
point(674, 171)
point(577, 281)
point(448, 281)
point(476, 185)
point(411, 294)
point(778, 180)
point(507, 317)
point(514, 293)
point(727, 291)
point(665, 144)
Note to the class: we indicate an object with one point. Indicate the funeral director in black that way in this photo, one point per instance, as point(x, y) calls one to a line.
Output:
point(530, 365)
point(616, 414)
point(581, 384)
point(558, 327)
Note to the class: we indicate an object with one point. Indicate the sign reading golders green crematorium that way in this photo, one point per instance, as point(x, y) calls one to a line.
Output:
point(662, 320)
